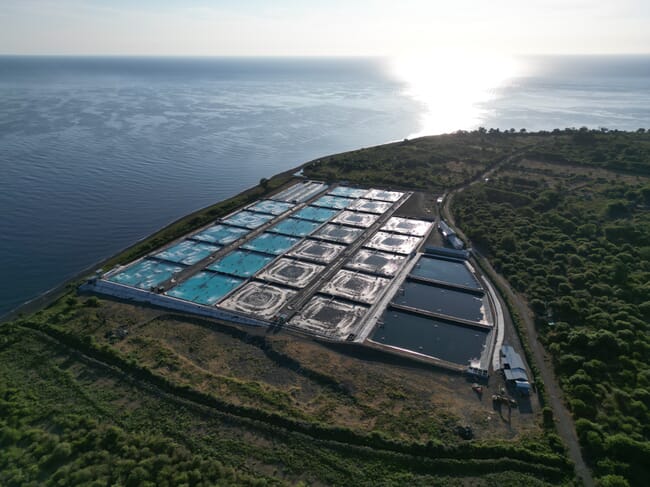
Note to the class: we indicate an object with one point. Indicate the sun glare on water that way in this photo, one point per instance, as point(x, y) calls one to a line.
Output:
point(452, 87)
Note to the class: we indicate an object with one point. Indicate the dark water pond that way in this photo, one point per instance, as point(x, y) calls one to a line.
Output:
point(453, 343)
point(445, 271)
point(443, 301)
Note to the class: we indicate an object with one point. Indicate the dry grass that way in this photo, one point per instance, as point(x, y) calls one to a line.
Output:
point(410, 402)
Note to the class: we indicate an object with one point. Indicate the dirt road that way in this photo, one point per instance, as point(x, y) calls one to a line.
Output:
point(563, 418)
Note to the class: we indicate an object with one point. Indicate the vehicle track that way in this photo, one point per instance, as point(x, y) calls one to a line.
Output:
point(564, 420)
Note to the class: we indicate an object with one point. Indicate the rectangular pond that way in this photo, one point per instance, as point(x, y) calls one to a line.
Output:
point(370, 206)
point(355, 286)
point(338, 233)
point(355, 219)
point(291, 272)
point(439, 300)
point(453, 272)
point(241, 263)
point(295, 227)
point(380, 194)
point(205, 288)
point(221, 234)
point(271, 207)
point(435, 338)
point(315, 214)
point(336, 202)
point(323, 252)
point(407, 226)
point(348, 192)
point(188, 252)
point(329, 317)
point(271, 243)
point(300, 192)
point(258, 300)
point(393, 242)
point(376, 262)
point(146, 274)
point(248, 219)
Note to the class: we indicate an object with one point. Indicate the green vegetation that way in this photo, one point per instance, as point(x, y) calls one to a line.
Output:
point(440, 162)
point(77, 412)
point(100, 392)
point(568, 225)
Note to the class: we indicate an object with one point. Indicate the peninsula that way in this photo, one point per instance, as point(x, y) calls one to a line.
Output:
point(460, 309)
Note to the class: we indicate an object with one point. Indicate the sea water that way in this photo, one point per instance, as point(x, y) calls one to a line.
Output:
point(96, 153)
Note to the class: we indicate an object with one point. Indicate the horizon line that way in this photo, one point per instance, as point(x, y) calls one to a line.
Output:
point(301, 56)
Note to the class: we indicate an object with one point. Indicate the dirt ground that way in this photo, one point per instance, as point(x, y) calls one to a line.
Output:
point(297, 376)
point(420, 205)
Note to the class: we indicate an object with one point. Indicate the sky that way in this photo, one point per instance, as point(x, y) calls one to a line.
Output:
point(323, 27)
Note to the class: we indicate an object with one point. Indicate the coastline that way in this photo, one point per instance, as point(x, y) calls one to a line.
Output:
point(47, 297)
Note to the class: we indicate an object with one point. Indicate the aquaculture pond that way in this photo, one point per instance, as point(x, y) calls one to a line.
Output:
point(187, 252)
point(205, 288)
point(271, 243)
point(439, 300)
point(221, 234)
point(248, 219)
point(146, 273)
point(451, 271)
point(435, 338)
point(315, 213)
point(348, 192)
point(336, 202)
point(241, 263)
point(295, 227)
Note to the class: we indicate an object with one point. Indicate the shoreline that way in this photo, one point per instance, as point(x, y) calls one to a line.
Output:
point(47, 297)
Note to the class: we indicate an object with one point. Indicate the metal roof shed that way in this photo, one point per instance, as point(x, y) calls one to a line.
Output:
point(512, 364)
point(514, 369)
point(511, 359)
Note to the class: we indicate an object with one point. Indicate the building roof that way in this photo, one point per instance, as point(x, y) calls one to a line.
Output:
point(445, 229)
point(511, 359)
point(455, 242)
point(516, 374)
point(512, 364)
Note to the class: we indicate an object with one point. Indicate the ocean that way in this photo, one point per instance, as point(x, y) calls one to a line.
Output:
point(97, 153)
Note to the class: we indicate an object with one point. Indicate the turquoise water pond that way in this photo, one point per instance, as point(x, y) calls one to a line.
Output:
point(146, 274)
point(221, 234)
point(241, 263)
point(248, 219)
point(187, 252)
point(271, 243)
point(295, 227)
point(315, 214)
point(205, 288)
point(335, 202)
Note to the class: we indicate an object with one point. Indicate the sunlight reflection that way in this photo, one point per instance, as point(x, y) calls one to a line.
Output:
point(452, 87)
